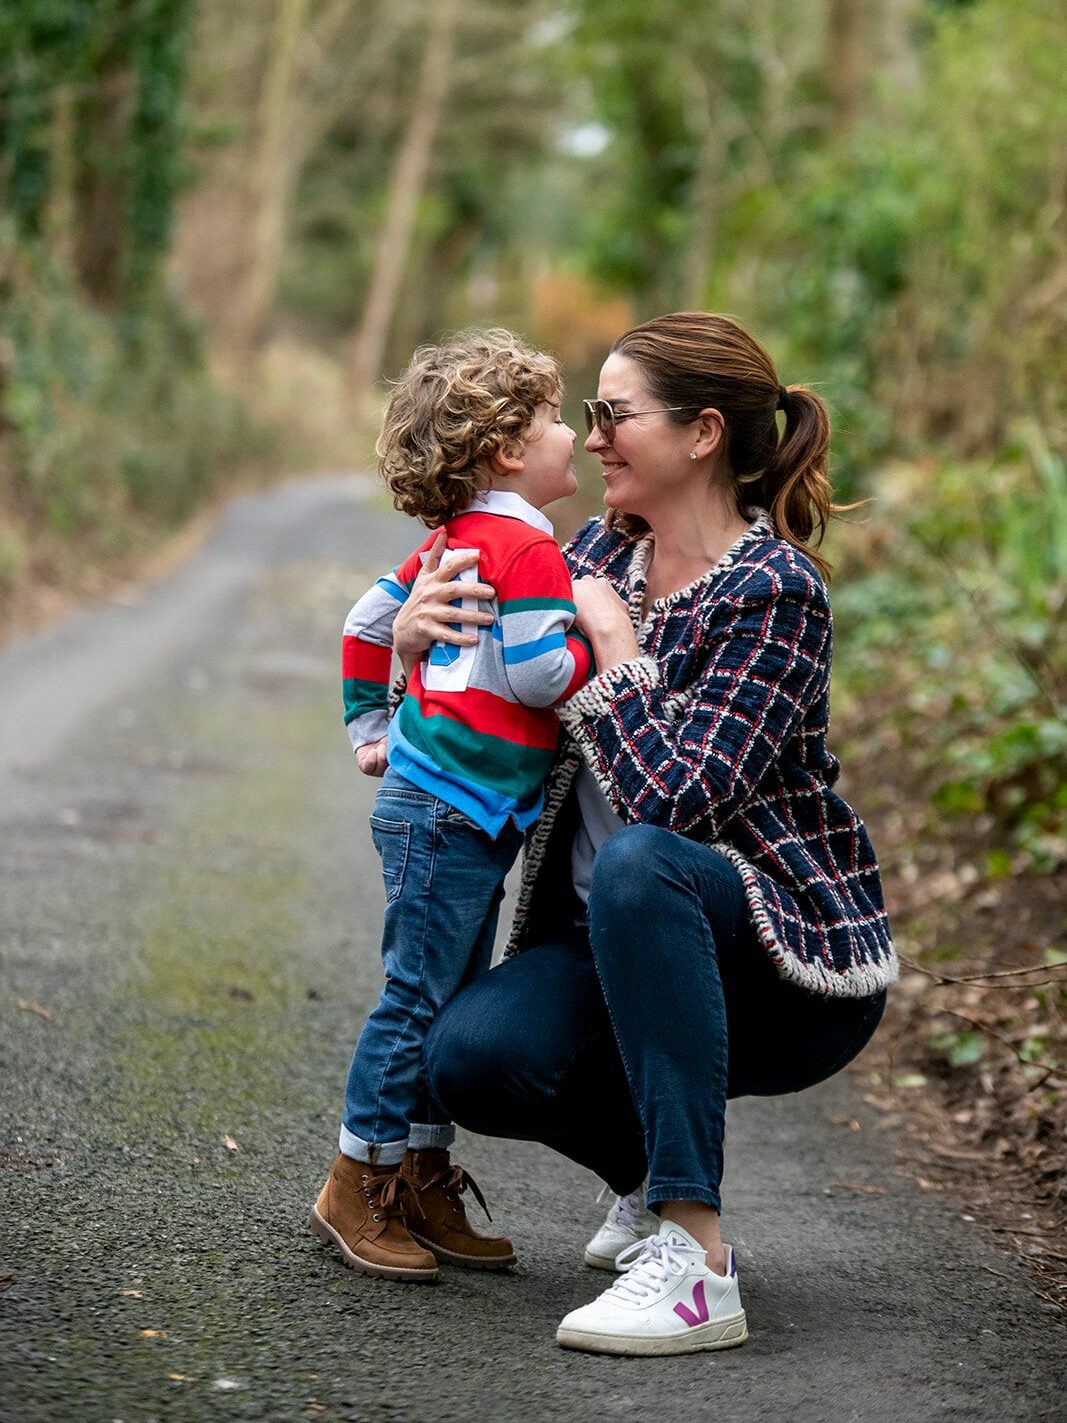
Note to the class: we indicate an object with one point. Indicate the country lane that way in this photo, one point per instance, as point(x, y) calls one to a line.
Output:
point(189, 917)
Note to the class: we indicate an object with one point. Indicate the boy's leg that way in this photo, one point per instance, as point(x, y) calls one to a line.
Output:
point(432, 918)
point(431, 1126)
point(442, 877)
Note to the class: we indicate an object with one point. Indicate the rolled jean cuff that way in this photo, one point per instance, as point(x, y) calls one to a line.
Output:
point(431, 1136)
point(384, 1153)
point(684, 1191)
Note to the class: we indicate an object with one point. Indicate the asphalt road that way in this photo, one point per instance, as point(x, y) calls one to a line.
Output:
point(189, 910)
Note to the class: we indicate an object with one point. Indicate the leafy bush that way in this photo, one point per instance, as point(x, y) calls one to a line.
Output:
point(959, 608)
point(110, 429)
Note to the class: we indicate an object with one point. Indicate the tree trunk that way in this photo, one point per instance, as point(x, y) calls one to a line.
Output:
point(270, 180)
point(845, 62)
point(898, 55)
point(59, 215)
point(102, 199)
point(696, 267)
point(406, 185)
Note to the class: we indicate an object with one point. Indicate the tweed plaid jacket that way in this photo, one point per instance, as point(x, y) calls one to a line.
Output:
point(718, 732)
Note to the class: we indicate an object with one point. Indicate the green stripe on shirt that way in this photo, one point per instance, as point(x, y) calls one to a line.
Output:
point(536, 605)
point(361, 696)
point(504, 766)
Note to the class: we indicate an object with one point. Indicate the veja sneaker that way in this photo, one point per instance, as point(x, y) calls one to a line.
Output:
point(667, 1302)
point(629, 1220)
point(442, 1225)
point(361, 1210)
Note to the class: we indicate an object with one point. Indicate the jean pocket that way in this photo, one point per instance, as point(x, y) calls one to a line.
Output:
point(391, 839)
point(449, 815)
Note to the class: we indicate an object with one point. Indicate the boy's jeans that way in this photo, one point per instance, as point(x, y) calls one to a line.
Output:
point(444, 880)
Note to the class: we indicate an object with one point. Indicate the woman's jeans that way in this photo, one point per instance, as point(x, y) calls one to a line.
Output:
point(444, 880)
point(619, 1045)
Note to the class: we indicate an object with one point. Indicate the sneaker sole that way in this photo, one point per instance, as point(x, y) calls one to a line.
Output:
point(602, 1262)
point(468, 1262)
point(326, 1233)
point(717, 1334)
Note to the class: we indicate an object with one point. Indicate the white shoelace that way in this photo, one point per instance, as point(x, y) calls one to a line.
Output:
point(627, 1210)
point(651, 1265)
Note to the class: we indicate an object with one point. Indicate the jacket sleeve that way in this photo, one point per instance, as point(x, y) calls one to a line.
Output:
point(367, 654)
point(691, 770)
point(545, 662)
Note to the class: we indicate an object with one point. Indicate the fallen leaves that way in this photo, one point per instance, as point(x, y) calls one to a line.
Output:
point(849, 1122)
point(33, 1006)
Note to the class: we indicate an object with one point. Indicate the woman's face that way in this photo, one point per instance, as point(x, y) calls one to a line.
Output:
point(647, 464)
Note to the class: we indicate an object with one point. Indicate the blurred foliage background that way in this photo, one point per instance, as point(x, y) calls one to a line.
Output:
point(223, 223)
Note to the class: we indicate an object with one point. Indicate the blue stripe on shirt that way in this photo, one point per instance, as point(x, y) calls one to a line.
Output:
point(526, 651)
point(394, 589)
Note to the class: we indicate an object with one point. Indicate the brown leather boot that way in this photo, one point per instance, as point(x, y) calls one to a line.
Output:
point(443, 1226)
point(361, 1210)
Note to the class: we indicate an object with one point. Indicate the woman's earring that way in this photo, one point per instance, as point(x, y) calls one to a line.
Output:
point(692, 454)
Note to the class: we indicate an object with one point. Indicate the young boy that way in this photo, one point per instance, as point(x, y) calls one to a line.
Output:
point(472, 442)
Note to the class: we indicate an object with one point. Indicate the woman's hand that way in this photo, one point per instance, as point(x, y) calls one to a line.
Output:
point(428, 614)
point(605, 620)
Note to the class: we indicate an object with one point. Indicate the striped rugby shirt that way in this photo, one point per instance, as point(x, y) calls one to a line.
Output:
point(476, 726)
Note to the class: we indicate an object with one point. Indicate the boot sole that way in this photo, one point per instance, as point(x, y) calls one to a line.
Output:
point(468, 1262)
point(326, 1233)
point(718, 1334)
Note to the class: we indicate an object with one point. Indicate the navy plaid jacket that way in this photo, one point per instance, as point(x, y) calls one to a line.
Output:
point(718, 731)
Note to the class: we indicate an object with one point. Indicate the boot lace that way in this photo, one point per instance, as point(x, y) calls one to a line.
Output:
point(453, 1180)
point(651, 1266)
point(391, 1194)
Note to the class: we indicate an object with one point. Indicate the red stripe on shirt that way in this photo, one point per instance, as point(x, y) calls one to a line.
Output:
point(489, 714)
point(366, 660)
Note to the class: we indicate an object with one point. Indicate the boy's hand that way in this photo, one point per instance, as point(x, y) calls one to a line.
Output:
point(371, 759)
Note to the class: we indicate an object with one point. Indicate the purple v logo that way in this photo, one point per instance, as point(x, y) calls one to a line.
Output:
point(699, 1313)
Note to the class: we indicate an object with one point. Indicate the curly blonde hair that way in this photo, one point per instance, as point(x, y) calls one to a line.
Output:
point(456, 406)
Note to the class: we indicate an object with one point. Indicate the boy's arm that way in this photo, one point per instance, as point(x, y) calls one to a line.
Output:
point(545, 661)
point(366, 657)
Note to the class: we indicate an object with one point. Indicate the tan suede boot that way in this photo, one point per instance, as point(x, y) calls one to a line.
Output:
point(361, 1210)
point(443, 1226)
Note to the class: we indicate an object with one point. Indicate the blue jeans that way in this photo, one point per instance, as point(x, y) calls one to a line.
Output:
point(444, 880)
point(618, 1045)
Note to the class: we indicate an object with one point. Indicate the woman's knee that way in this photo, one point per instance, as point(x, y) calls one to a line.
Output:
point(629, 860)
point(462, 1055)
point(640, 863)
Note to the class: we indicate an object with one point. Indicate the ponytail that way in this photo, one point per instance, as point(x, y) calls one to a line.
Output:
point(794, 486)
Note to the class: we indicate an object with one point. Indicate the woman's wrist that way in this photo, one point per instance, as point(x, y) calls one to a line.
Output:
point(612, 645)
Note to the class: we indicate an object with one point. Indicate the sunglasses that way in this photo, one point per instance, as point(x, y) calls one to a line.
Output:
point(601, 414)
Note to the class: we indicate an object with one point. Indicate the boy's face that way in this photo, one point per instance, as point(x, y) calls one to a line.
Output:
point(548, 457)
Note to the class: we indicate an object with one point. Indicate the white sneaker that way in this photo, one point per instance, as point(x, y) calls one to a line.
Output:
point(629, 1220)
point(667, 1302)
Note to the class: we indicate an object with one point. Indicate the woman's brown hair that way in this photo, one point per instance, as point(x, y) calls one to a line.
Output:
point(701, 361)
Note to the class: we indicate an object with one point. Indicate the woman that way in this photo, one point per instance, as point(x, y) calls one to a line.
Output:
point(700, 916)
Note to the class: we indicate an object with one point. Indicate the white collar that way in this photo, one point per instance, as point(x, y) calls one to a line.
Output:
point(511, 506)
